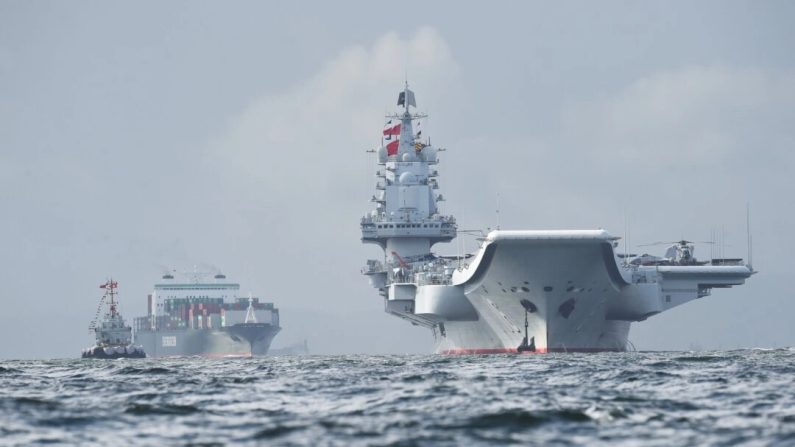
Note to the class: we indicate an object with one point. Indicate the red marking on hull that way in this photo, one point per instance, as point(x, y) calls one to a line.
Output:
point(466, 351)
point(226, 355)
point(211, 355)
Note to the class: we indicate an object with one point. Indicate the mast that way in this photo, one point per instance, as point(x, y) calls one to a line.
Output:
point(250, 316)
point(110, 291)
point(109, 297)
point(406, 221)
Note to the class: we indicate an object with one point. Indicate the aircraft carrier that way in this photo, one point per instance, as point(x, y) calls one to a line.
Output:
point(203, 315)
point(522, 291)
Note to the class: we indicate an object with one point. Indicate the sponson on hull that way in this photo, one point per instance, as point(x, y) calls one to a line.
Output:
point(522, 291)
point(114, 337)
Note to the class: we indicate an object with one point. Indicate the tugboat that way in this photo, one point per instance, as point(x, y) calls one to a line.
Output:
point(114, 338)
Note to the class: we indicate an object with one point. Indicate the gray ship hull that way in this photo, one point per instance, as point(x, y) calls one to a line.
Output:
point(239, 340)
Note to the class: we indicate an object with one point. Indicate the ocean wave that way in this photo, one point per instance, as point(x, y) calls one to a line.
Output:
point(660, 398)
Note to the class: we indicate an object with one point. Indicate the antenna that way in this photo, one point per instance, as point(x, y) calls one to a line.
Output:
point(460, 244)
point(722, 240)
point(629, 235)
point(498, 210)
point(751, 255)
point(626, 249)
point(406, 100)
point(748, 233)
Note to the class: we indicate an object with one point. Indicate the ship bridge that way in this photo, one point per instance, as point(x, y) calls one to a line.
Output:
point(406, 219)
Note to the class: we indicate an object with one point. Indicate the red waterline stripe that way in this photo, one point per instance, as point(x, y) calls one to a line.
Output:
point(209, 355)
point(466, 351)
point(226, 355)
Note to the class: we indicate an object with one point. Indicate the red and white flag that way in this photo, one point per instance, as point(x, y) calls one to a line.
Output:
point(391, 129)
point(392, 148)
point(391, 137)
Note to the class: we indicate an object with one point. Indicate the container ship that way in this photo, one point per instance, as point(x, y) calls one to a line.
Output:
point(204, 315)
point(522, 290)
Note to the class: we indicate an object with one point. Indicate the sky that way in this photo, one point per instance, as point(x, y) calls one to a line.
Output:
point(142, 137)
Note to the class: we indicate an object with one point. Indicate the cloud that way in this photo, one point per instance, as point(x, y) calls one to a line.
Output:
point(321, 125)
point(294, 175)
point(698, 115)
point(677, 152)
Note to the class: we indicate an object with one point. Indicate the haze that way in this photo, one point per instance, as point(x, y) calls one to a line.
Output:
point(166, 135)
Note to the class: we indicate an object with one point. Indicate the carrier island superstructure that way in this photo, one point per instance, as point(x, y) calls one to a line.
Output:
point(201, 314)
point(522, 291)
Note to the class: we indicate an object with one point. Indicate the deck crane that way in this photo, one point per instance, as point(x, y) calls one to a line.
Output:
point(401, 261)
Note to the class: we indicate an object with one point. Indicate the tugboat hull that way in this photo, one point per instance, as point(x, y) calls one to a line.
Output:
point(120, 352)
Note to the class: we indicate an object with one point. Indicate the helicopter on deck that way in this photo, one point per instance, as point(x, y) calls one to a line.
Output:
point(678, 253)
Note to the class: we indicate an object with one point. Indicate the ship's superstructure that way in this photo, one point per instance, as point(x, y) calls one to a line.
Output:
point(113, 336)
point(523, 291)
point(205, 317)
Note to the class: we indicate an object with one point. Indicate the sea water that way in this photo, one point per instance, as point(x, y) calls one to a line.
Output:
point(744, 397)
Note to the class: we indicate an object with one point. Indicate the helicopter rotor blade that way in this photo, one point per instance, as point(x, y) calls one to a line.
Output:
point(653, 243)
point(679, 242)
